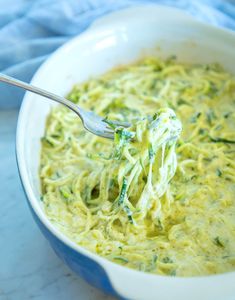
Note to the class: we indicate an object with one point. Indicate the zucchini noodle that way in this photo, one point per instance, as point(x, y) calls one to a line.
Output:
point(146, 163)
point(129, 200)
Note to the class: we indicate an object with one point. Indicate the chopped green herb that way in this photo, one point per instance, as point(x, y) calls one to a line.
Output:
point(55, 136)
point(218, 173)
point(123, 192)
point(201, 131)
point(221, 140)
point(183, 102)
point(226, 115)
point(121, 259)
point(129, 214)
point(195, 117)
point(151, 153)
point(158, 224)
point(167, 260)
point(210, 116)
point(121, 138)
point(213, 90)
point(218, 242)
point(155, 257)
point(111, 183)
point(47, 141)
point(57, 174)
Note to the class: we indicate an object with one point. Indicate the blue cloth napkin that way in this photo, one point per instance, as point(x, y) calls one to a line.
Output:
point(31, 30)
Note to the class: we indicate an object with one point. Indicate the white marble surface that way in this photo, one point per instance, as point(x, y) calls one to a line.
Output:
point(29, 269)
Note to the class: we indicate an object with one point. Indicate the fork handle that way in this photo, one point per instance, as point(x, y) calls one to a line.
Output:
point(41, 92)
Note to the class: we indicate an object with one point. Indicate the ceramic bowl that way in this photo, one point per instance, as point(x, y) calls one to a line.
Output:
point(119, 38)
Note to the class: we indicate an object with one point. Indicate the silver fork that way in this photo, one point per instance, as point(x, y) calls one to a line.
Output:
point(92, 122)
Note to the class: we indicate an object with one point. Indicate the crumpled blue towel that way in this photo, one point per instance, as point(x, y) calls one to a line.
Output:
point(31, 30)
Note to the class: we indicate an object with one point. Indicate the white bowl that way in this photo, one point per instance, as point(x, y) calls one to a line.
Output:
point(119, 38)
